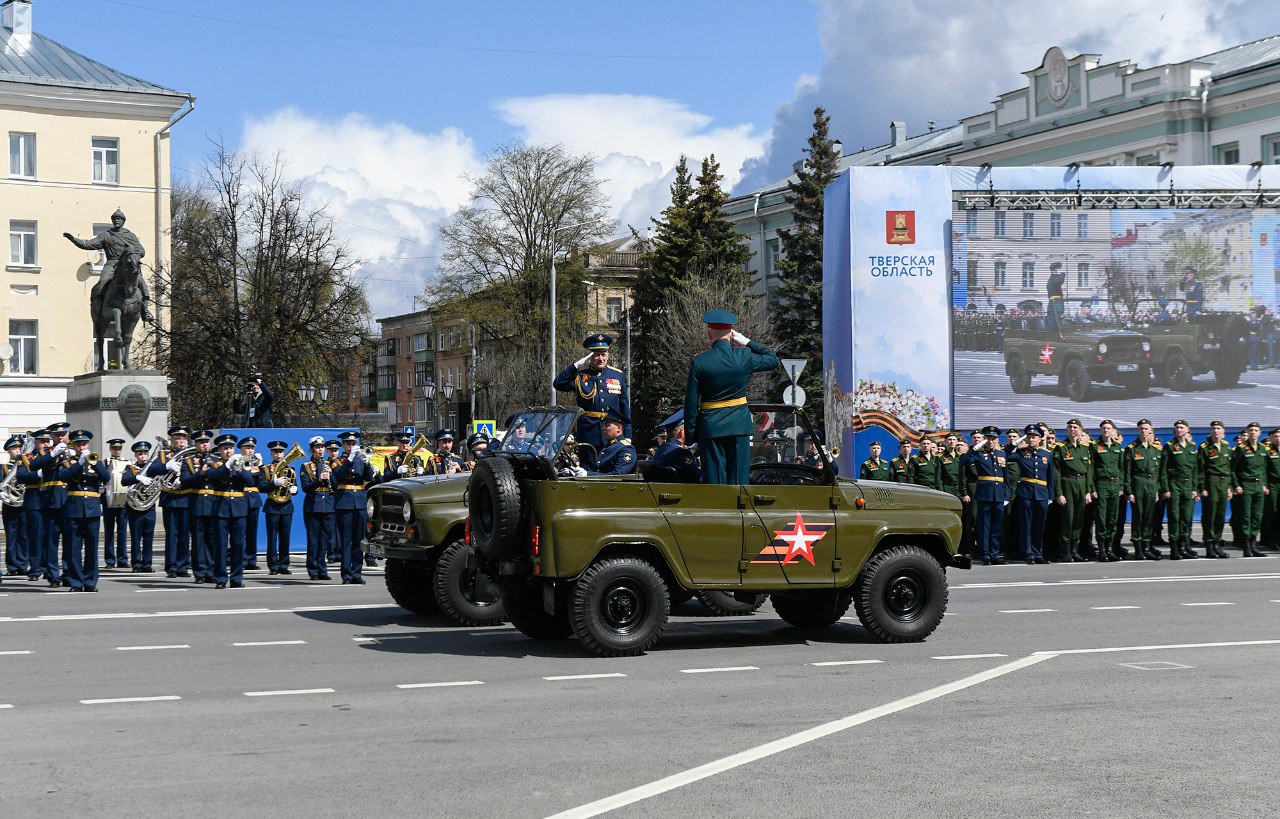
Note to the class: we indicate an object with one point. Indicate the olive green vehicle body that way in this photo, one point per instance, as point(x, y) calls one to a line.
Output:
point(438, 519)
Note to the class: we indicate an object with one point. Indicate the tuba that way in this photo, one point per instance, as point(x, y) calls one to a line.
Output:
point(13, 493)
point(141, 498)
point(412, 453)
point(280, 494)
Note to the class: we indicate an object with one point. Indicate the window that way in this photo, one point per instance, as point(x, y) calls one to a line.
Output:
point(772, 250)
point(420, 409)
point(1271, 150)
point(386, 378)
point(22, 243)
point(441, 346)
point(1002, 274)
point(1002, 228)
point(613, 309)
point(1028, 225)
point(1028, 275)
point(1082, 226)
point(106, 161)
point(419, 342)
point(971, 275)
point(1055, 225)
point(1082, 274)
point(22, 155)
point(420, 373)
point(23, 336)
point(971, 223)
point(393, 346)
point(1228, 154)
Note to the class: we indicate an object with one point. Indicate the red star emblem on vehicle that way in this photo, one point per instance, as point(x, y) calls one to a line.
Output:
point(800, 539)
point(1046, 355)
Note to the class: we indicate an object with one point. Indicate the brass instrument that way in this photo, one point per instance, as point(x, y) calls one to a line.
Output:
point(116, 491)
point(280, 494)
point(93, 458)
point(13, 493)
point(412, 452)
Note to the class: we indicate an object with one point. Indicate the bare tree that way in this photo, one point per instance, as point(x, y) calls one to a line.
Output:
point(259, 285)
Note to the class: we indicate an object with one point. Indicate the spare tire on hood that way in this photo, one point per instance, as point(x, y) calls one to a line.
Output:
point(495, 506)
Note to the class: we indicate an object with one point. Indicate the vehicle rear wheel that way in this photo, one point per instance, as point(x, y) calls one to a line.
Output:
point(679, 596)
point(493, 496)
point(522, 600)
point(409, 582)
point(1226, 377)
point(620, 607)
point(465, 594)
point(1019, 378)
point(1177, 372)
point(901, 595)
point(1075, 381)
point(1138, 385)
point(731, 604)
point(815, 609)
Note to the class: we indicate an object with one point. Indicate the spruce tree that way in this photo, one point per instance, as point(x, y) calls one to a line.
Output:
point(797, 316)
point(722, 255)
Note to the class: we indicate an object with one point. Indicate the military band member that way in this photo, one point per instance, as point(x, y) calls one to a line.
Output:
point(315, 479)
point(332, 548)
point(1036, 485)
point(596, 387)
point(674, 453)
point(924, 468)
point(969, 516)
point(175, 506)
point(874, 468)
point(618, 456)
point(33, 516)
point(142, 524)
point(445, 462)
point(194, 476)
point(395, 466)
point(16, 559)
point(716, 415)
point(898, 466)
point(1249, 466)
point(351, 475)
point(85, 476)
point(247, 446)
point(226, 480)
point(1142, 483)
point(51, 495)
point(477, 445)
point(1073, 463)
point(986, 460)
point(278, 514)
point(811, 458)
point(1213, 462)
point(114, 521)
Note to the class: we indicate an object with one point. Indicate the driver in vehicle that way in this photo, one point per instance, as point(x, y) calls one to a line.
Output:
point(618, 456)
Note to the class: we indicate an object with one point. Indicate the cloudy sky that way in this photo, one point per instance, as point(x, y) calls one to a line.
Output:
point(384, 107)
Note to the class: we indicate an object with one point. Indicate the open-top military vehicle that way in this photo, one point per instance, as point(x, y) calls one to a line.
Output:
point(1078, 354)
point(601, 557)
point(1183, 346)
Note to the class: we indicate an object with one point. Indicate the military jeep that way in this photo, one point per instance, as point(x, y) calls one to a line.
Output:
point(601, 558)
point(1078, 355)
point(1183, 346)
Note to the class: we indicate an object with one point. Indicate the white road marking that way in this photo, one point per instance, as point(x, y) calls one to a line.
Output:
point(166, 698)
point(441, 684)
point(1156, 666)
point(288, 692)
point(149, 648)
point(848, 662)
point(999, 585)
point(1206, 604)
point(1025, 611)
point(150, 591)
point(1232, 644)
point(777, 746)
point(1113, 608)
point(4, 706)
point(1120, 580)
point(12, 653)
point(715, 670)
point(273, 643)
point(969, 656)
point(583, 677)
point(365, 639)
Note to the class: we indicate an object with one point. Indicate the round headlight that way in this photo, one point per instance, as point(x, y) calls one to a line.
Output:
point(407, 512)
point(1102, 348)
point(369, 507)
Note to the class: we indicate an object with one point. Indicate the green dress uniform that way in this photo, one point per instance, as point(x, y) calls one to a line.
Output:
point(969, 518)
point(874, 470)
point(1108, 482)
point(1142, 480)
point(715, 403)
point(1182, 482)
point(951, 474)
point(1249, 466)
point(898, 469)
point(1213, 463)
point(1074, 465)
point(1271, 509)
point(925, 470)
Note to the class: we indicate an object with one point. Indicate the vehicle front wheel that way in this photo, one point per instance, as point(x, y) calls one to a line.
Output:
point(409, 582)
point(465, 594)
point(1177, 372)
point(1019, 378)
point(620, 607)
point(1227, 377)
point(522, 600)
point(815, 609)
point(731, 604)
point(901, 595)
point(1075, 381)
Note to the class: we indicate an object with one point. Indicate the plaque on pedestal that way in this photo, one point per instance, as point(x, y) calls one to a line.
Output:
point(128, 404)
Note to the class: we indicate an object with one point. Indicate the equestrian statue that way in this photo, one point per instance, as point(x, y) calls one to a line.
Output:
point(120, 297)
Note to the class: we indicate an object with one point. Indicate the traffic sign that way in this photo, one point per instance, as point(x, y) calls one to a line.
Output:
point(793, 367)
point(409, 430)
point(793, 396)
point(485, 428)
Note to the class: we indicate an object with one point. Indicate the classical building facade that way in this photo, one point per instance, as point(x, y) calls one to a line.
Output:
point(82, 140)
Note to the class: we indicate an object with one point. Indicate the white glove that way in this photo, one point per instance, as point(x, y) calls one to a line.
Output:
point(739, 338)
point(579, 472)
point(278, 481)
point(293, 490)
point(566, 472)
point(582, 363)
point(84, 458)
point(144, 480)
point(59, 449)
point(402, 469)
point(174, 466)
point(358, 454)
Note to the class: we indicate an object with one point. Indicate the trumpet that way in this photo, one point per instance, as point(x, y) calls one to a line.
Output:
point(93, 458)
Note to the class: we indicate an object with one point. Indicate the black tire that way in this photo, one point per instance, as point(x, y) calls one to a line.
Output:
point(1138, 385)
point(1227, 377)
point(815, 609)
point(1019, 378)
point(409, 582)
point(1177, 372)
point(731, 604)
point(494, 502)
point(522, 600)
point(679, 596)
point(1075, 381)
point(465, 595)
point(901, 595)
point(620, 607)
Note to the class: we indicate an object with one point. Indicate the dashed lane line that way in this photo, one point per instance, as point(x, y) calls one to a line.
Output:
point(847, 662)
point(152, 591)
point(5, 705)
point(1025, 611)
point(441, 684)
point(12, 653)
point(289, 692)
point(969, 656)
point(1170, 646)
point(1117, 580)
point(149, 648)
point(717, 670)
point(113, 700)
point(1207, 604)
point(583, 677)
point(1113, 608)
point(272, 643)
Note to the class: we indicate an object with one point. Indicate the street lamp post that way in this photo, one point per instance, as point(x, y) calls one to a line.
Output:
point(446, 391)
point(307, 396)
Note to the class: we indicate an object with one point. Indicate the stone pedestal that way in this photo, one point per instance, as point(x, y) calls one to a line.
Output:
point(128, 404)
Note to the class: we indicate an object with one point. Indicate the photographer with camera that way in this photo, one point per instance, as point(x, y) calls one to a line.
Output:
point(256, 405)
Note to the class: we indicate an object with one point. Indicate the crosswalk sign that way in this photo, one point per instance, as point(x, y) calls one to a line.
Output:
point(486, 428)
point(409, 430)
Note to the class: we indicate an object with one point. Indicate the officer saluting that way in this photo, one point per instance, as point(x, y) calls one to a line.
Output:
point(715, 404)
point(597, 388)
point(1035, 487)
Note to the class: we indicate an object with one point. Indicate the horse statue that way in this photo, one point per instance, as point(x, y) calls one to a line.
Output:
point(118, 311)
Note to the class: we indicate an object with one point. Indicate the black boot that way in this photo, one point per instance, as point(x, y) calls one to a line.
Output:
point(1187, 551)
point(1175, 550)
point(1218, 551)
point(1247, 549)
point(1103, 554)
point(1139, 553)
point(1152, 553)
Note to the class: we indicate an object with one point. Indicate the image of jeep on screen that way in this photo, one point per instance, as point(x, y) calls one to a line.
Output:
point(600, 558)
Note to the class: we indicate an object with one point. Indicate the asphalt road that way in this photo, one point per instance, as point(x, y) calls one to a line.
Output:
point(1130, 689)
point(983, 396)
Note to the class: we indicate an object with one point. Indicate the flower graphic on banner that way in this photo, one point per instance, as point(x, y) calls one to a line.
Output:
point(883, 403)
